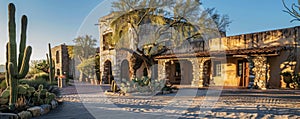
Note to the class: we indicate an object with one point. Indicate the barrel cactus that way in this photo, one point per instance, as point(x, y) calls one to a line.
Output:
point(49, 97)
point(114, 87)
point(42, 96)
point(16, 67)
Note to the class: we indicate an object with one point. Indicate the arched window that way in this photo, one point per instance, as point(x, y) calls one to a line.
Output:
point(57, 57)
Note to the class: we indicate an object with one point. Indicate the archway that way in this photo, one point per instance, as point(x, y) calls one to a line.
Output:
point(179, 72)
point(107, 73)
point(173, 72)
point(125, 70)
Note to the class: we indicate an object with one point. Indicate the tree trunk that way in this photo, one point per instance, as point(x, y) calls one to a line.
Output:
point(82, 76)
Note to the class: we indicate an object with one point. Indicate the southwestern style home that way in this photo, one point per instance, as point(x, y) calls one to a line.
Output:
point(64, 65)
point(242, 60)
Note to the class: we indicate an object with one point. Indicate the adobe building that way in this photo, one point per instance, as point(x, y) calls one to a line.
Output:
point(63, 63)
point(241, 60)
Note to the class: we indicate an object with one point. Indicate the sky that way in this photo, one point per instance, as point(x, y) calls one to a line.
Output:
point(60, 21)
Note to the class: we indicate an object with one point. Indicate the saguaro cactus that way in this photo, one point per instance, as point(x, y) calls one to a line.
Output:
point(51, 64)
point(16, 69)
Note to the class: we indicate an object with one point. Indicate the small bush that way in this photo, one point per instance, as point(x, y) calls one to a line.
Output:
point(35, 82)
point(44, 76)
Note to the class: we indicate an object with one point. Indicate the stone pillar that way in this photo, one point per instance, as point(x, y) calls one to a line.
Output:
point(260, 71)
point(195, 70)
point(162, 69)
point(198, 66)
point(116, 70)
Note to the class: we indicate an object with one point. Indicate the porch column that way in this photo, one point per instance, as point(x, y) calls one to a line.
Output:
point(200, 75)
point(196, 72)
point(162, 69)
point(260, 70)
point(198, 66)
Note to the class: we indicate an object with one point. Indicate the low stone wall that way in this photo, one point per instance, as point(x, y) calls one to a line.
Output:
point(31, 112)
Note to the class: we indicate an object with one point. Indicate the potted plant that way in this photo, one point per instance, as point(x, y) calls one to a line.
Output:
point(287, 78)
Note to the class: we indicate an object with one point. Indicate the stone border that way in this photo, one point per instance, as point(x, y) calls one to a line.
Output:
point(31, 112)
point(108, 93)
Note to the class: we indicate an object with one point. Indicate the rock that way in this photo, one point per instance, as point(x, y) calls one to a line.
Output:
point(166, 92)
point(36, 111)
point(45, 109)
point(25, 115)
point(8, 116)
point(53, 104)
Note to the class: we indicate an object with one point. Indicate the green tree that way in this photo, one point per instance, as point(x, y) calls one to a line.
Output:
point(83, 49)
point(37, 67)
point(42, 65)
point(97, 66)
point(87, 66)
point(166, 18)
point(32, 69)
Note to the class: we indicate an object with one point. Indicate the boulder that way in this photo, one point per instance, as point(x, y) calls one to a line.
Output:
point(25, 115)
point(36, 111)
point(45, 109)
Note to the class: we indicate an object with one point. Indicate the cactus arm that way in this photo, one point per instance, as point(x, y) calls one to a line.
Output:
point(23, 41)
point(47, 58)
point(13, 86)
point(25, 63)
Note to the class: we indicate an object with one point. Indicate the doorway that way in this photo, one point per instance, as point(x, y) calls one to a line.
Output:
point(107, 73)
point(243, 71)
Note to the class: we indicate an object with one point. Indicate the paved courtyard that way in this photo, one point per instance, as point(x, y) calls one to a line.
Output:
point(85, 101)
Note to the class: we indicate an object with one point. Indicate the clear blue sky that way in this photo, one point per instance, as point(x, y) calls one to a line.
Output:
point(60, 21)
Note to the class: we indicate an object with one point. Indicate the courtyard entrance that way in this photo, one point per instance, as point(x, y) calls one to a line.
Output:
point(107, 73)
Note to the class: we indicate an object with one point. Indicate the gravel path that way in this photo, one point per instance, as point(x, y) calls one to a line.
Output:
point(84, 101)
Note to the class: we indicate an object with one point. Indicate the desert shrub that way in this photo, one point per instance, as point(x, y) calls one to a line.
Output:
point(35, 82)
point(42, 76)
point(142, 85)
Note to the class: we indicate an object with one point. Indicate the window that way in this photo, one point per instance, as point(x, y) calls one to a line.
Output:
point(58, 72)
point(240, 68)
point(57, 57)
point(107, 45)
point(217, 68)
